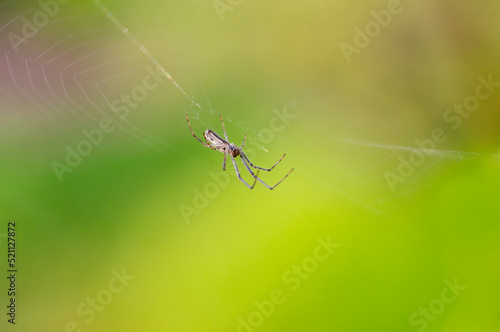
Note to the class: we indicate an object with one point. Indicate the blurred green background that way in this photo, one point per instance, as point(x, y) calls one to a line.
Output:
point(194, 248)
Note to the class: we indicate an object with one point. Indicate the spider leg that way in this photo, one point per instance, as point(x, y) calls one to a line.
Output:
point(244, 156)
point(243, 144)
point(239, 175)
point(223, 127)
point(257, 177)
point(192, 132)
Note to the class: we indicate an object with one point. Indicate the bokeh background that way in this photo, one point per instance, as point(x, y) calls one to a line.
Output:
point(200, 251)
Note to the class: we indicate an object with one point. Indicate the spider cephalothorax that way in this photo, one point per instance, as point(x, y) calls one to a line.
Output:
point(217, 143)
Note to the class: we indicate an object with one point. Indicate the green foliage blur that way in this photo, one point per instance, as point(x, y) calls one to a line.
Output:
point(381, 108)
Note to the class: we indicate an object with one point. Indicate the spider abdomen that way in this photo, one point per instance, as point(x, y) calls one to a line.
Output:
point(214, 140)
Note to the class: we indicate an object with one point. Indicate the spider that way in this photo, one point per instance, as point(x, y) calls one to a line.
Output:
point(217, 143)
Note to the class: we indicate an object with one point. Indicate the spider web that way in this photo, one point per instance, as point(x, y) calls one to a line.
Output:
point(68, 79)
point(380, 160)
point(71, 78)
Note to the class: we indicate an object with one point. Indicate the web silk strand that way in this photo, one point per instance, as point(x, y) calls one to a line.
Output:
point(143, 49)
